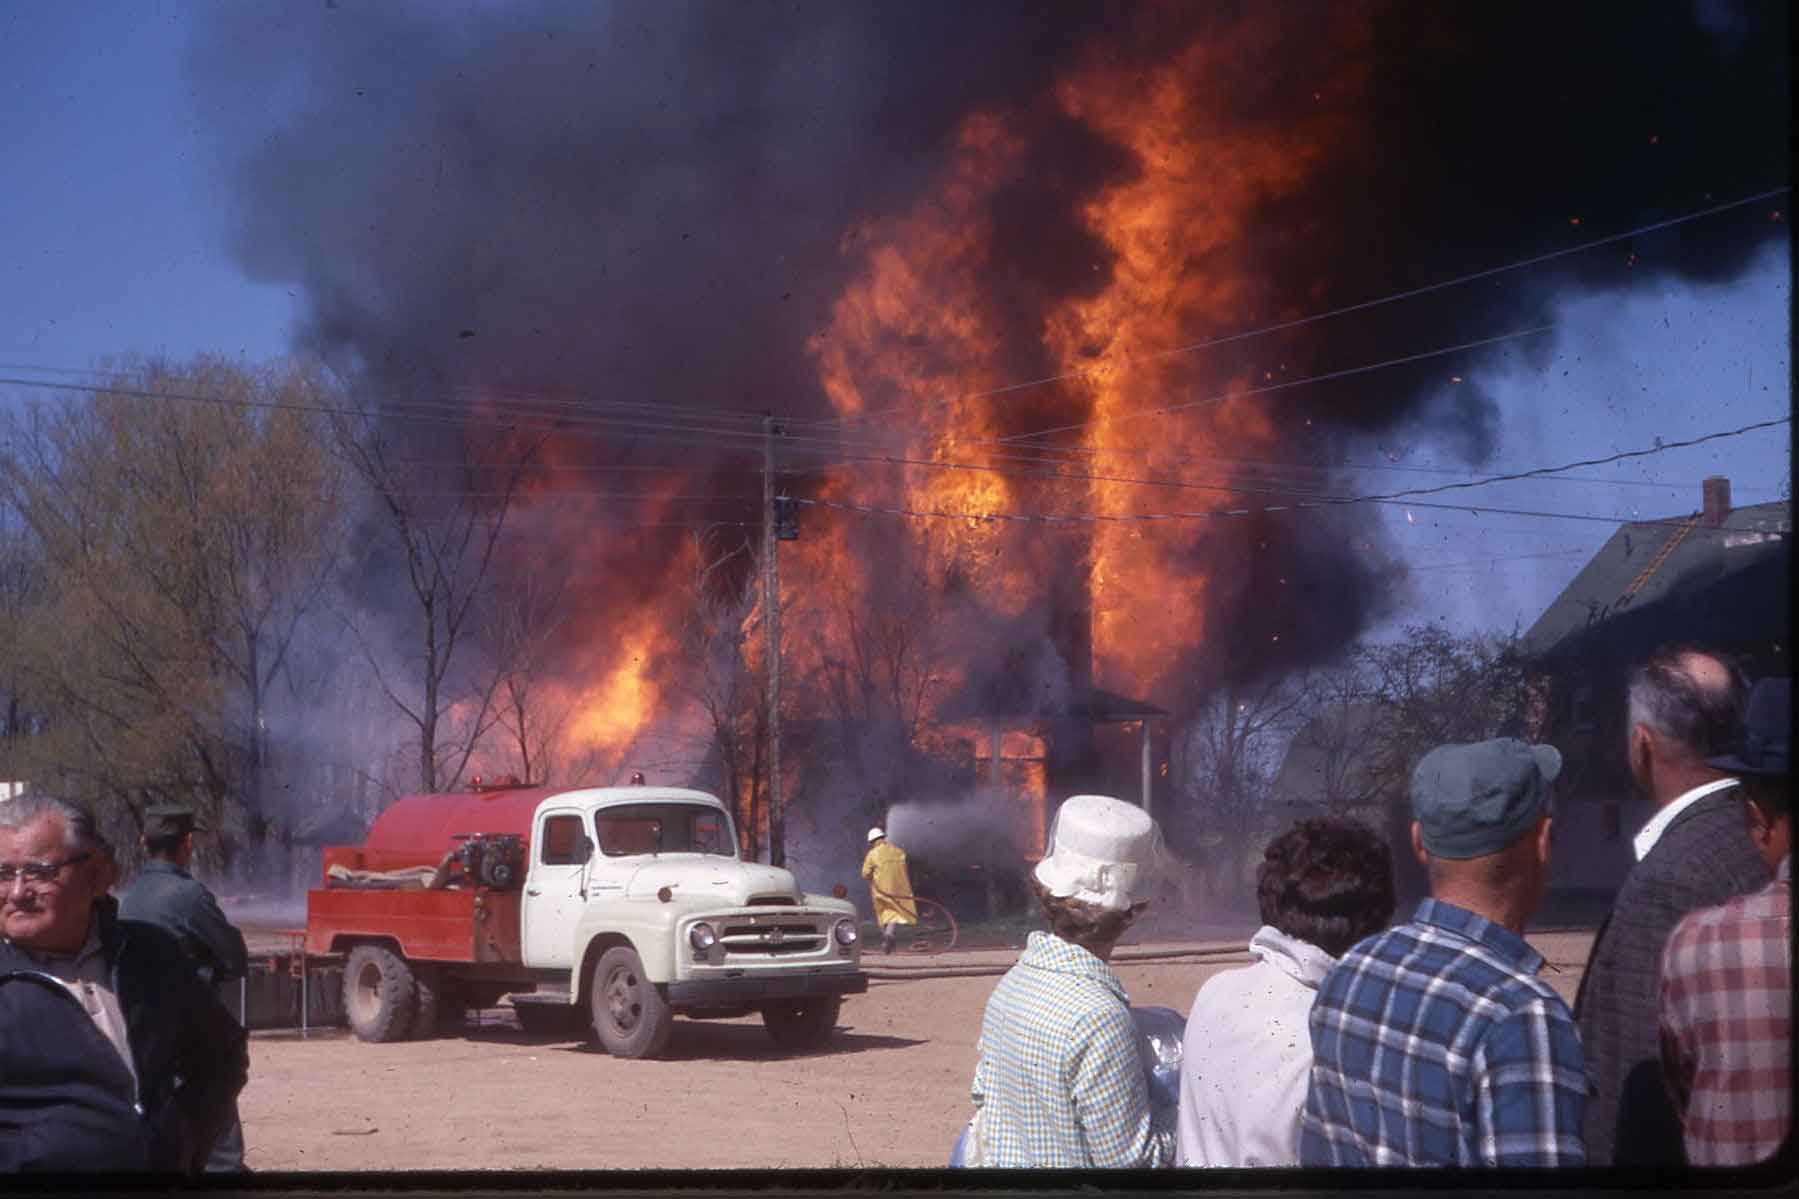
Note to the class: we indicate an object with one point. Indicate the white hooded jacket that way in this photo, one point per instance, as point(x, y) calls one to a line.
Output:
point(1247, 1057)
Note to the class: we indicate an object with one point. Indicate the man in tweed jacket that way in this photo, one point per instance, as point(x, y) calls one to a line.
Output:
point(1685, 706)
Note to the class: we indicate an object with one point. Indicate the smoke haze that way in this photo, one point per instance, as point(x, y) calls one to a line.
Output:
point(677, 204)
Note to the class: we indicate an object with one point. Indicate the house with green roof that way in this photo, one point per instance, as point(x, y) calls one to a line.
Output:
point(1720, 577)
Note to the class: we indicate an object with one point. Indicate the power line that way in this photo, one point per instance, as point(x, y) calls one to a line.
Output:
point(1219, 513)
point(1313, 498)
point(1222, 397)
point(1316, 501)
point(748, 437)
point(1660, 447)
point(553, 399)
point(1486, 562)
point(1364, 305)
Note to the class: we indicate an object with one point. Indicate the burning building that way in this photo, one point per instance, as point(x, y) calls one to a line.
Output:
point(1039, 293)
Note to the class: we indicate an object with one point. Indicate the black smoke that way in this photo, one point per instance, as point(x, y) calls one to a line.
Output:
point(648, 202)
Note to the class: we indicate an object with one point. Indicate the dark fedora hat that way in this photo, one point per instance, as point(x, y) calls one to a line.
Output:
point(1764, 745)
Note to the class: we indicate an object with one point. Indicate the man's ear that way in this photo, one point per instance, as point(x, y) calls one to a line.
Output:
point(1642, 750)
point(1756, 821)
point(1418, 844)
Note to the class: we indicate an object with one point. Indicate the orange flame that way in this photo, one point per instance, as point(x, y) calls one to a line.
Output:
point(917, 330)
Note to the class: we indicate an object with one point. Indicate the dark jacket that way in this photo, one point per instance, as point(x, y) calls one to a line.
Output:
point(192, 1058)
point(169, 897)
point(67, 1102)
point(1703, 858)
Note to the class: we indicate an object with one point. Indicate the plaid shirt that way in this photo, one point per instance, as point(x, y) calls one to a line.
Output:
point(1061, 1080)
point(1434, 1044)
point(1726, 1024)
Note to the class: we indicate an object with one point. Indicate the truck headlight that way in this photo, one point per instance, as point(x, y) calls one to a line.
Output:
point(845, 932)
point(701, 937)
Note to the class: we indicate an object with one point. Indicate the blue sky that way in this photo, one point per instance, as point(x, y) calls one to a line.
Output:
point(1668, 362)
point(115, 214)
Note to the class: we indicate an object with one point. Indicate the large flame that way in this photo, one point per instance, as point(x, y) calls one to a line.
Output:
point(922, 359)
point(918, 341)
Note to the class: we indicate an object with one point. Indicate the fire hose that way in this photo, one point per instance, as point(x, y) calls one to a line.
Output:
point(919, 944)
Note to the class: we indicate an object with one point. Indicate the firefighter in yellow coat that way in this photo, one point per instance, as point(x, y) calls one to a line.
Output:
point(889, 886)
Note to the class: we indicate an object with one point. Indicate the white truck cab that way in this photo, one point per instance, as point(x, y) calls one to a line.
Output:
point(636, 907)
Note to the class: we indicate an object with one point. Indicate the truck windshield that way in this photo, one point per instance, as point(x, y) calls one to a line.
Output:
point(662, 828)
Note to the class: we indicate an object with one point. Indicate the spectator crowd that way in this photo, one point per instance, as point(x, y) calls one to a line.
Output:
point(1434, 1041)
point(1351, 1041)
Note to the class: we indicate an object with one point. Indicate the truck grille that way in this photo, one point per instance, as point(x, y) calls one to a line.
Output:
point(771, 940)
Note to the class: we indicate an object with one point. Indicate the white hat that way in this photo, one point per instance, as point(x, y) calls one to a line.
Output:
point(1101, 852)
point(875, 834)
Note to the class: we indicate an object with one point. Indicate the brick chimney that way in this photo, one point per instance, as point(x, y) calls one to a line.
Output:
point(1716, 490)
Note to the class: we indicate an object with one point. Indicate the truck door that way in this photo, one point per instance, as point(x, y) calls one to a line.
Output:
point(553, 897)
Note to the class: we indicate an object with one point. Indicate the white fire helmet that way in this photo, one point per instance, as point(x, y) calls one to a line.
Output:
point(1103, 851)
point(875, 834)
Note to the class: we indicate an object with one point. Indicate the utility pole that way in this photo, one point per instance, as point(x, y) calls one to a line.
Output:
point(771, 632)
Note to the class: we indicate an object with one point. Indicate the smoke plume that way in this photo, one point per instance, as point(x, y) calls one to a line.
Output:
point(684, 204)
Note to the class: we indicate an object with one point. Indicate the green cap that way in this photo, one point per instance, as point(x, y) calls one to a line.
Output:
point(1474, 800)
point(169, 820)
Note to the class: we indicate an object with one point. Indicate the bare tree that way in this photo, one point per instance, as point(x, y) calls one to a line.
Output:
point(1225, 754)
point(719, 674)
point(519, 627)
point(1431, 687)
point(443, 523)
point(875, 663)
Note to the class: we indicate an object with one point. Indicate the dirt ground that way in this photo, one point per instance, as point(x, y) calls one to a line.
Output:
point(892, 1090)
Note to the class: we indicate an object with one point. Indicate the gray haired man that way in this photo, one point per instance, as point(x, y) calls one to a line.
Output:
point(1685, 705)
point(113, 1054)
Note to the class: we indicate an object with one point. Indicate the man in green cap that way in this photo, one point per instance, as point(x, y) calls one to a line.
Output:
point(166, 895)
point(1434, 1043)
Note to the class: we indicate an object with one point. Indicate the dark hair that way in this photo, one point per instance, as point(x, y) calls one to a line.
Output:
point(1328, 881)
point(1702, 720)
point(166, 845)
point(1771, 793)
point(1073, 920)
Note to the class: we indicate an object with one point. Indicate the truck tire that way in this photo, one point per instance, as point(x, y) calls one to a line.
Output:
point(631, 1017)
point(802, 1023)
point(379, 994)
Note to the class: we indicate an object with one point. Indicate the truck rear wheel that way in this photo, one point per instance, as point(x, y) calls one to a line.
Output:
point(630, 1016)
point(802, 1023)
point(379, 993)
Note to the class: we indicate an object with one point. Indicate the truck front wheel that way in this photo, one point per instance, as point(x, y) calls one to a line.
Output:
point(630, 1016)
point(379, 993)
point(802, 1023)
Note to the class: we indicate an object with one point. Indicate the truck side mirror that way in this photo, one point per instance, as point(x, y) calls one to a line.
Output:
point(585, 849)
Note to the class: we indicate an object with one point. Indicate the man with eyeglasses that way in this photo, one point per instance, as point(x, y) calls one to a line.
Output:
point(113, 1054)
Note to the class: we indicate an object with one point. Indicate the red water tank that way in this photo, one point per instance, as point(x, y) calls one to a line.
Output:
point(419, 829)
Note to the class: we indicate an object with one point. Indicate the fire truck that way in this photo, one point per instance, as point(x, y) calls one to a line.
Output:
point(609, 908)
